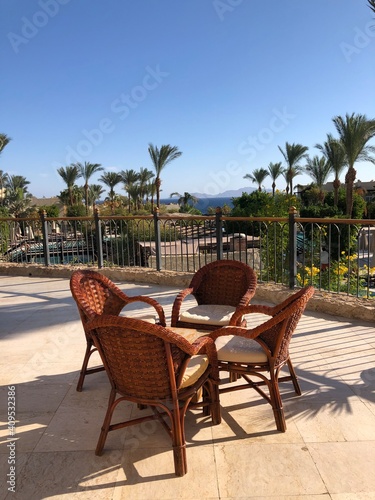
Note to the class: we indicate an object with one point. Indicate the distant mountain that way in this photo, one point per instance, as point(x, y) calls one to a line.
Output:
point(231, 193)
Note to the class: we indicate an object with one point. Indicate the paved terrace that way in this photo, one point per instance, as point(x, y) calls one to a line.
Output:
point(328, 451)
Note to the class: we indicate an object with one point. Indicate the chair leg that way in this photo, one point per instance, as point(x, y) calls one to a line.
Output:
point(178, 442)
point(233, 377)
point(215, 405)
point(84, 370)
point(84, 366)
point(277, 405)
point(206, 396)
point(292, 372)
point(179, 456)
point(211, 396)
point(198, 396)
point(107, 422)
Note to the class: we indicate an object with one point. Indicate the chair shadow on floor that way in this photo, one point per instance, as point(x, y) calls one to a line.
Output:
point(66, 452)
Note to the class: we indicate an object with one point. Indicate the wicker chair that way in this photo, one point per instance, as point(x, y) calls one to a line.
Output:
point(219, 288)
point(152, 365)
point(262, 351)
point(96, 294)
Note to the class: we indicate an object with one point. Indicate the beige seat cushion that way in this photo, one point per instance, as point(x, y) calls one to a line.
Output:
point(148, 318)
point(210, 314)
point(239, 350)
point(195, 369)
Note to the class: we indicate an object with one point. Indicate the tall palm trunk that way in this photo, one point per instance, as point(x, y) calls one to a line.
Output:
point(336, 187)
point(349, 181)
point(157, 186)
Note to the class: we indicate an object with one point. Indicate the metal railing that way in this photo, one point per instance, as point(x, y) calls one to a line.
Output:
point(337, 255)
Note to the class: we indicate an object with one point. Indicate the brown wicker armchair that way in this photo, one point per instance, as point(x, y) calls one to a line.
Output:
point(95, 294)
point(219, 288)
point(262, 351)
point(154, 366)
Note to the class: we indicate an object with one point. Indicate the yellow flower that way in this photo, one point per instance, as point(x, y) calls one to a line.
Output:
point(342, 269)
point(315, 270)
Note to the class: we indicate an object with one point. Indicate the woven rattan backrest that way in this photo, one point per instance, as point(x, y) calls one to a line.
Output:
point(224, 282)
point(95, 294)
point(278, 336)
point(139, 362)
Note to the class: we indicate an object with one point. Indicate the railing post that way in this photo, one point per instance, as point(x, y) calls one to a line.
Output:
point(219, 233)
point(99, 240)
point(157, 239)
point(292, 247)
point(47, 260)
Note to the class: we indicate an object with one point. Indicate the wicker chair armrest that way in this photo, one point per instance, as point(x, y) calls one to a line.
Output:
point(306, 293)
point(206, 345)
point(177, 304)
point(201, 345)
point(151, 302)
point(242, 310)
point(249, 333)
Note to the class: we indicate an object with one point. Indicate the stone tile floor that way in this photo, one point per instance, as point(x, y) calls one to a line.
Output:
point(327, 452)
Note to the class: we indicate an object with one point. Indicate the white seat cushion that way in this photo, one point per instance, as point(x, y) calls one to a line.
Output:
point(210, 314)
point(197, 366)
point(239, 350)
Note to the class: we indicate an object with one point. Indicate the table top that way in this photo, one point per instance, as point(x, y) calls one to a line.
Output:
point(190, 334)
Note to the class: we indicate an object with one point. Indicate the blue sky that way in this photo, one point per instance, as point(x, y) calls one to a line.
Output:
point(226, 81)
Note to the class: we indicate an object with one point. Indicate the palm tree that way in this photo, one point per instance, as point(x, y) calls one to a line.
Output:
point(293, 154)
point(335, 155)
point(151, 191)
point(18, 198)
point(257, 177)
point(185, 200)
point(87, 170)
point(15, 182)
point(134, 195)
point(371, 4)
point(160, 159)
point(69, 175)
point(289, 174)
point(354, 131)
point(95, 191)
point(129, 178)
point(144, 177)
point(111, 179)
point(275, 170)
point(3, 179)
point(4, 140)
point(319, 170)
point(76, 196)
